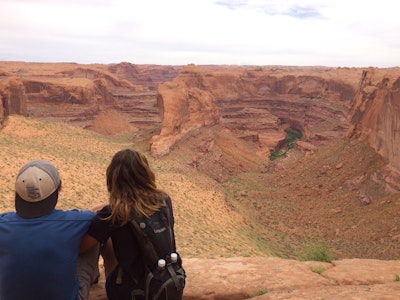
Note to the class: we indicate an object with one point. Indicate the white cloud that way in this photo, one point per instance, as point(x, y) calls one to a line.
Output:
point(260, 32)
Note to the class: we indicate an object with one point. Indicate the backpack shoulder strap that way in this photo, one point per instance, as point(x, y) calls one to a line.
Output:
point(170, 224)
point(147, 249)
point(146, 246)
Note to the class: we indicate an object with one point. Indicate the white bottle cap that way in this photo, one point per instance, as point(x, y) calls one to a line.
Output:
point(161, 263)
point(174, 257)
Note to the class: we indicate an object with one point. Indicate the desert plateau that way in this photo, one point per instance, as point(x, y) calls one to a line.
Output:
point(258, 160)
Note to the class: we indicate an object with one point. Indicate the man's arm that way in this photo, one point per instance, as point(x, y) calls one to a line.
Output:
point(87, 242)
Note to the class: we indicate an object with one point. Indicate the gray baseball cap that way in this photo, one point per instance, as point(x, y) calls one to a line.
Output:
point(36, 189)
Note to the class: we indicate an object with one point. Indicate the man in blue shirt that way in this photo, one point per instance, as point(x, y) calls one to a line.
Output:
point(39, 244)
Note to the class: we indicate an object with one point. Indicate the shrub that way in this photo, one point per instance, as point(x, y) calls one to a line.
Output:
point(290, 142)
point(316, 250)
point(259, 293)
point(317, 269)
point(292, 135)
point(275, 155)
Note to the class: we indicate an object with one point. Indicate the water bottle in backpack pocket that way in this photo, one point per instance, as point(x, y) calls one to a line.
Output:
point(167, 281)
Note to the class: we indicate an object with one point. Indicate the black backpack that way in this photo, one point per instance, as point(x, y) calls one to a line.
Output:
point(156, 239)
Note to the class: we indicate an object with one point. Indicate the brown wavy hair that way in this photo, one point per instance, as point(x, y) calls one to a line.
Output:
point(132, 187)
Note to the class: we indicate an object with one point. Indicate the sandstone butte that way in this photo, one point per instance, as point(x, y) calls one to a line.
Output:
point(255, 105)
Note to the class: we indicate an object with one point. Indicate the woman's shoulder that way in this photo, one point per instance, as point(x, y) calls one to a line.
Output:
point(167, 199)
point(104, 212)
point(167, 202)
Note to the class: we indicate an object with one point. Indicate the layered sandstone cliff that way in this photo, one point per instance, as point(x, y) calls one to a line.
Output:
point(79, 94)
point(13, 97)
point(184, 106)
point(253, 104)
point(375, 117)
point(256, 105)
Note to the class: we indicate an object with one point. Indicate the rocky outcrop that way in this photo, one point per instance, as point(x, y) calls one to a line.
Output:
point(90, 92)
point(146, 77)
point(275, 278)
point(184, 106)
point(375, 117)
point(77, 94)
point(13, 98)
point(76, 101)
point(256, 104)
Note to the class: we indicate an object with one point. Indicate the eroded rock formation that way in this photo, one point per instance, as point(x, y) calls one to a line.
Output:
point(257, 104)
point(375, 117)
point(78, 94)
point(184, 106)
point(251, 103)
point(13, 98)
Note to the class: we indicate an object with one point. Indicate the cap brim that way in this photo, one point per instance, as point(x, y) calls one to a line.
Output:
point(30, 210)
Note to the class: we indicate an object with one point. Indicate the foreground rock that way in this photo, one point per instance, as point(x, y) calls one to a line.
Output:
point(276, 278)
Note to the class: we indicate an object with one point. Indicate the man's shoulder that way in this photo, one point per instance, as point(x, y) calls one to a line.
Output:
point(73, 214)
point(8, 216)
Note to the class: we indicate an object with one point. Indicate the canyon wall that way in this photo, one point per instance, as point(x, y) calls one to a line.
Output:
point(254, 104)
point(257, 104)
point(79, 94)
point(13, 98)
point(375, 117)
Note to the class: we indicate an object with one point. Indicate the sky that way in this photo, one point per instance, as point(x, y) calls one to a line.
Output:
point(334, 33)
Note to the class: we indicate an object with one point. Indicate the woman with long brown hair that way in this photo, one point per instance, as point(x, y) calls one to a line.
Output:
point(132, 192)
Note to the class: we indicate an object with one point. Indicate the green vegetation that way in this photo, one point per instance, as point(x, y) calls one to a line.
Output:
point(291, 137)
point(276, 154)
point(290, 142)
point(316, 250)
point(318, 269)
point(397, 277)
point(259, 293)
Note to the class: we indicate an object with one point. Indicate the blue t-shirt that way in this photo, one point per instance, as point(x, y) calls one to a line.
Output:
point(38, 256)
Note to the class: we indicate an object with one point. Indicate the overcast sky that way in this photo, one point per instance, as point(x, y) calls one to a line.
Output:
point(345, 33)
